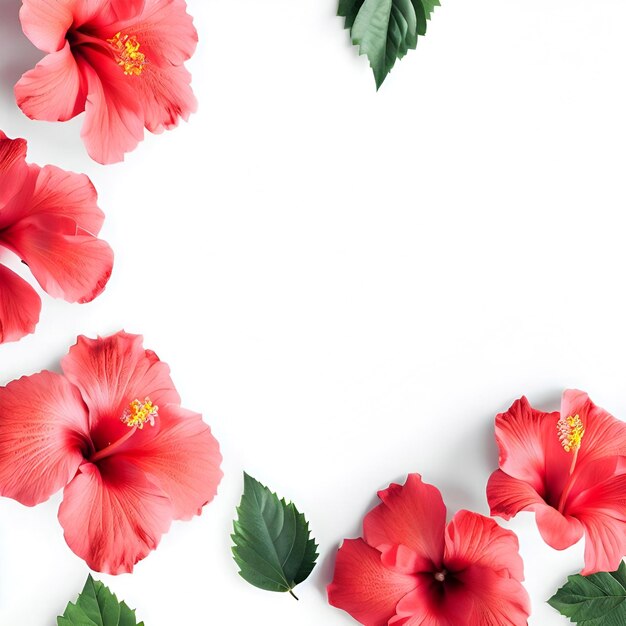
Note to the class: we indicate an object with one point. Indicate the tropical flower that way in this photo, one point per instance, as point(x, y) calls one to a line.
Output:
point(410, 569)
point(49, 218)
point(111, 432)
point(570, 469)
point(119, 61)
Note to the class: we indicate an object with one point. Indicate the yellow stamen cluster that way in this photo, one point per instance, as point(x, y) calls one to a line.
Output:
point(138, 413)
point(128, 56)
point(571, 431)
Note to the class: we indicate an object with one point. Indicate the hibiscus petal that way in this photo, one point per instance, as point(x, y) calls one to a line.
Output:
point(604, 435)
point(13, 170)
point(166, 95)
point(46, 22)
point(484, 598)
point(102, 13)
point(422, 607)
point(111, 372)
point(508, 496)
point(52, 90)
point(164, 30)
point(43, 433)
point(183, 458)
point(402, 559)
point(477, 596)
point(605, 540)
point(113, 516)
point(598, 502)
point(363, 587)
point(113, 113)
point(412, 515)
point(167, 37)
point(19, 306)
point(16, 207)
point(530, 449)
point(473, 539)
point(60, 193)
point(126, 9)
point(75, 267)
point(426, 619)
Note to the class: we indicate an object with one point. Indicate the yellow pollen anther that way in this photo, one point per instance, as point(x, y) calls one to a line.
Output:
point(138, 413)
point(129, 58)
point(571, 431)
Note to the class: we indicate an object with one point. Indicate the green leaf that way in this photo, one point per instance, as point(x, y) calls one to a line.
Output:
point(273, 545)
point(429, 6)
point(349, 9)
point(595, 600)
point(385, 30)
point(97, 606)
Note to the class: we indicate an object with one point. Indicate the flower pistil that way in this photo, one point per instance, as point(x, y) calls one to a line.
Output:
point(138, 413)
point(571, 431)
point(126, 48)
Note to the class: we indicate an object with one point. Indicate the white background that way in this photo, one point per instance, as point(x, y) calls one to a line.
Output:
point(348, 284)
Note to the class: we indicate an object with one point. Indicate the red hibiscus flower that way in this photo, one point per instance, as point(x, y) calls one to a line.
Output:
point(111, 432)
point(120, 61)
point(49, 218)
point(570, 469)
point(410, 569)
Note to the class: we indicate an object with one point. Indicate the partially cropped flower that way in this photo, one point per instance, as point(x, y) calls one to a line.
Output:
point(410, 569)
point(49, 218)
point(119, 61)
point(569, 468)
point(111, 433)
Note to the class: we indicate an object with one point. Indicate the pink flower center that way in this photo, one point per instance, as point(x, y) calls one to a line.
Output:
point(440, 576)
point(135, 417)
point(126, 49)
point(138, 413)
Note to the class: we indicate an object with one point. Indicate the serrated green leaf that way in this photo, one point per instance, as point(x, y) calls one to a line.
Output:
point(385, 30)
point(349, 9)
point(595, 600)
point(420, 16)
point(429, 6)
point(97, 606)
point(273, 545)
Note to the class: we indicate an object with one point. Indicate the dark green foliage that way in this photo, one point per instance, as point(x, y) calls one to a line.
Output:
point(273, 547)
point(385, 30)
point(97, 606)
point(595, 600)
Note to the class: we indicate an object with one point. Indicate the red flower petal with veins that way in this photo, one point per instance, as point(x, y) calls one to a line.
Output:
point(364, 587)
point(569, 468)
point(19, 306)
point(413, 570)
point(121, 62)
point(43, 436)
point(109, 370)
point(13, 169)
point(181, 449)
point(413, 517)
point(112, 433)
point(49, 218)
point(113, 515)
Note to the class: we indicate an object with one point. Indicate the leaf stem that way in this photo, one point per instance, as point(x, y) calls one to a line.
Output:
point(293, 594)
